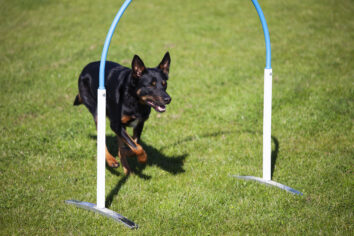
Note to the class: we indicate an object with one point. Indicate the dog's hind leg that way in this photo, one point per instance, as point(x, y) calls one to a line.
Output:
point(86, 97)
point(111, 161)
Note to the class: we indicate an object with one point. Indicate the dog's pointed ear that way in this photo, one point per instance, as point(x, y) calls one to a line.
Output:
point(138, 67)
point(165, 64)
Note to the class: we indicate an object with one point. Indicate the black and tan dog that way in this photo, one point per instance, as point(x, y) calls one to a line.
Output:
point(130, 94)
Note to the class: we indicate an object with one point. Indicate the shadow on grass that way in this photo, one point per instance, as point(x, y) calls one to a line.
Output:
point(274, 154)
point(115, 190)
point(173, 165)
point(192, 138)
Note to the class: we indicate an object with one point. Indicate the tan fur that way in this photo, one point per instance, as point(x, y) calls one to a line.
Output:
point(111, 161)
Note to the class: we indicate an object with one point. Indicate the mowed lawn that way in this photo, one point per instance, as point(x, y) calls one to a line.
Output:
point(211, 130)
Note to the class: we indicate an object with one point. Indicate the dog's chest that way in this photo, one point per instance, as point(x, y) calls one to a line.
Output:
point(130, 121)
point(134, 123)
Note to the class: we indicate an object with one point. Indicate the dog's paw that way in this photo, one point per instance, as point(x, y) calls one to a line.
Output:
point(142, 157)
point(112, 162)
point(126, 170)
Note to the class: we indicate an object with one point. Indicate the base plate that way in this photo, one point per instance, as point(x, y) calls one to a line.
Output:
point(269, 182)
point(103, 211)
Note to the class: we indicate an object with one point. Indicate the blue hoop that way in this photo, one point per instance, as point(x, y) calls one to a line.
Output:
point(266, 33)
point(108, 41)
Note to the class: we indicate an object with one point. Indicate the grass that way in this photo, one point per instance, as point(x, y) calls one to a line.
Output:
point(211, 130)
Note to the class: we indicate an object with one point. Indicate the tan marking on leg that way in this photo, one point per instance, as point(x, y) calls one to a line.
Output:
point(111, 161)
point(138, 150)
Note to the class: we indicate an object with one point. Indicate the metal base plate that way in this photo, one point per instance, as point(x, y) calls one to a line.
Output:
point(269, 182)
point(103, 211)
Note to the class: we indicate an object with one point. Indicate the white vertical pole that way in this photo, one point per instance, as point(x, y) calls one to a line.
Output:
point(267, 113)
point(101, 112)
point(101, 137)
point(101, 144)
point(267, 122)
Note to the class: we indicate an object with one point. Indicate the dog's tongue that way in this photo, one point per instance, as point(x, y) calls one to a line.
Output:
point(157, 108)
point(160, 108)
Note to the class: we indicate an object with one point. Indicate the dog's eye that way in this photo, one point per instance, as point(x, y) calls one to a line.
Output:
point(163, 83)
point(153, 83)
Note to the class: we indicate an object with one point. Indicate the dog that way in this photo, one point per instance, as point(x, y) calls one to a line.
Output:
point(130, 95)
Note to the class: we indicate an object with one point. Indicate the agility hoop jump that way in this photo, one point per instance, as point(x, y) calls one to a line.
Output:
point(267, 114)
point(100, 207)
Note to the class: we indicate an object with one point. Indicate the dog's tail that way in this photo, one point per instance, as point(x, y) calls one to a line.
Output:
point(78, 100)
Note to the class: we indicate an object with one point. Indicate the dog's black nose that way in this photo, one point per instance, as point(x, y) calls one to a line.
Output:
point(167, 100)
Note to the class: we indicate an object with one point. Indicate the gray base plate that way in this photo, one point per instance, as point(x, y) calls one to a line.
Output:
point(270, 182)
point(103, 211)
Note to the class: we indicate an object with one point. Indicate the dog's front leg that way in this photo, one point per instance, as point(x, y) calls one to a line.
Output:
point(122, 153)
point(123, 156)
point(127, 151)
point(134, 146)
point(137, 131)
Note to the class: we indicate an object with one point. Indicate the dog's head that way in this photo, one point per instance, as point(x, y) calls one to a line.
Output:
point(151, 83)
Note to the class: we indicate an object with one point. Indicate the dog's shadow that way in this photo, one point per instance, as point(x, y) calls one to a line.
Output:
point(173, 165)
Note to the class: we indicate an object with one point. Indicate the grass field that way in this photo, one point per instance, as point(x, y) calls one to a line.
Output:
point(210, 131)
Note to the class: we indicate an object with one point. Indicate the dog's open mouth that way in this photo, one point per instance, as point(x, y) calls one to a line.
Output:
point(158, 108)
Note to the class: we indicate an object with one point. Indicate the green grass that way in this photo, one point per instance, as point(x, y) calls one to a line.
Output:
point(211, 130)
